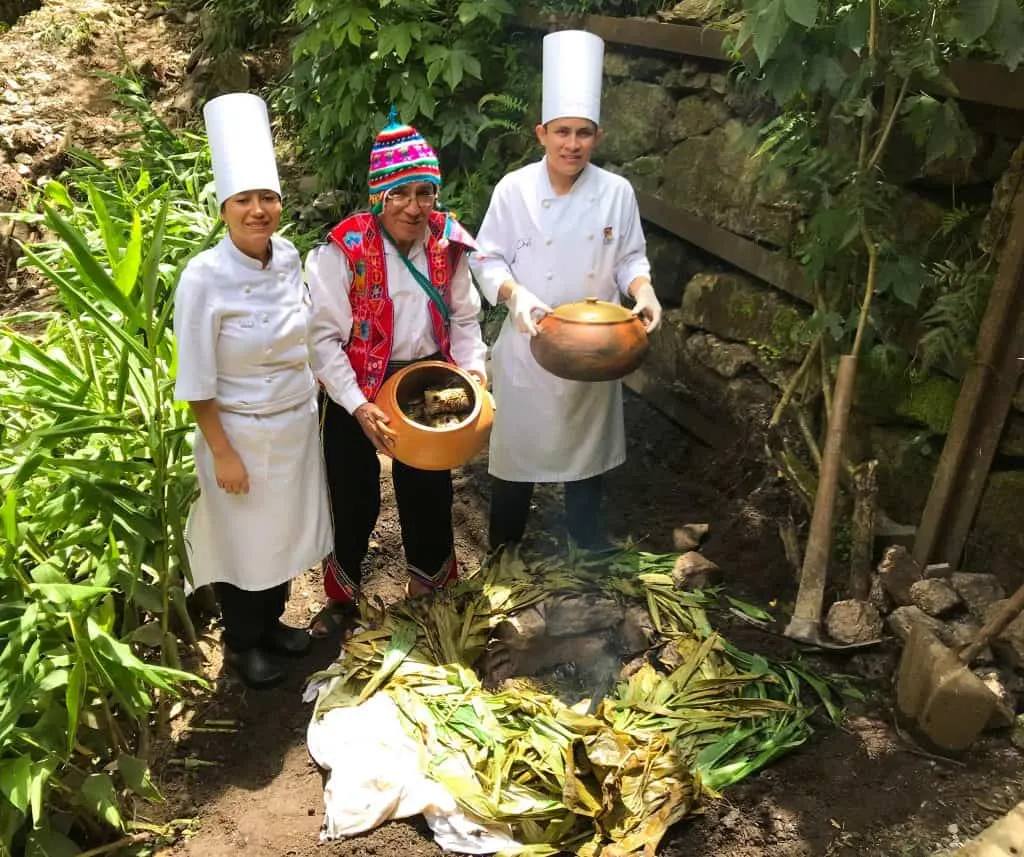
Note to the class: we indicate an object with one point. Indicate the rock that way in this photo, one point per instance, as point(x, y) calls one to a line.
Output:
point(23, 158)
point(689, 536)
point(1012, 441)
point(997, 221)
point(853, 622)
point(959, 635)
point(644, 173)
point(938, 570)
point(734, 307)
point(670, 265)
point(927, 401)
point(906, 468)
point(26, 139)
point(899, 572)
point(978, 591)
point(693, 11)
point(634, 118)
point(714, 176)
point(996, 543)
point(571, 615)
point(637, 631)
point(686, 76)
point(903, 619)
point(727, 359)
point(10, 96)
point(889, 532)
point(521, 630)
point(878, 597)
point(24, 170)
point(935, 597)
point(647, 69)
point(695, 571)
point(718, 83)
point(696, 115)
point(1006, 708)
point(1009, 645)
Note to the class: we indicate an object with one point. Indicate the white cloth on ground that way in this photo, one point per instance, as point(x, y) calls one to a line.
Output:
point(375, 774)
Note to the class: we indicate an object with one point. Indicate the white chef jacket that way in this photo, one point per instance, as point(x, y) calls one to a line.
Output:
point(242, 334)
point(586, 243)
point(241, 330)
point(330, 280)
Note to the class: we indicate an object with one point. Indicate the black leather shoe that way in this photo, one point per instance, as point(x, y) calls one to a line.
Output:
point(284, 640)
point(255, 667)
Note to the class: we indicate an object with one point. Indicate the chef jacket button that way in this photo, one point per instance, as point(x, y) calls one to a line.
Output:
point(266, 317)
point(268, 379)
point(590, 237)
point(282, 277)
point(591, 275)
point(549, 275)
point(546, 203)
point(302, 340)
point(247, 289)
point(547, 241)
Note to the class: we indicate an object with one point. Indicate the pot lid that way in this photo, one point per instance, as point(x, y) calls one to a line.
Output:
point(592, 311)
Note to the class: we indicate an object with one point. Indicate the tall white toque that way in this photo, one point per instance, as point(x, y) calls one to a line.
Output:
point(573, 66)
point(241, 147)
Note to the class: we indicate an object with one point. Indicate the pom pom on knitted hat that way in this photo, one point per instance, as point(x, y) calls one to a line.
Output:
point(400, 155)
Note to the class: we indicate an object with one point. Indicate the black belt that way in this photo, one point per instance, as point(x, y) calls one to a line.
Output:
point(395, 365)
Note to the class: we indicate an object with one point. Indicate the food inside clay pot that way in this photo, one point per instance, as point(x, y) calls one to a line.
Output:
point(439, 407)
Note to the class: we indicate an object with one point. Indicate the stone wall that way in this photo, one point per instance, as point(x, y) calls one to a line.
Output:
point(679, 129)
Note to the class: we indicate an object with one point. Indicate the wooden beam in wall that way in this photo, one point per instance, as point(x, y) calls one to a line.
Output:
point(769, 265)
point(975, 80)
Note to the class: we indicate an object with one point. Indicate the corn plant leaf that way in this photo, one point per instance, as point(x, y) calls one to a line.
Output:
point(127, 268)
point(97, 283)
point(98, 795)
point(15, 779)
point(48, 843)
point(136, 776)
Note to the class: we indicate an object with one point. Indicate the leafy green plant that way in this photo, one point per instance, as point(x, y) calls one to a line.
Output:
point(95, 472)
point(847, 79)
point(448, 68)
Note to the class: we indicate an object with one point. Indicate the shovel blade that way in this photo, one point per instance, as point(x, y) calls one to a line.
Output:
point(949, 704)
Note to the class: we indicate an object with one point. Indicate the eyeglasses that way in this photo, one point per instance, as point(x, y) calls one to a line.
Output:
point(399, 197)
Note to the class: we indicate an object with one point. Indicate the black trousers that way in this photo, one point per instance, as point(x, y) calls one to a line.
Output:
point(424, 499)
point(249, 616)
point(510, 507)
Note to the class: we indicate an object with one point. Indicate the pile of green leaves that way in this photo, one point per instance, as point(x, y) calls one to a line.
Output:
point(447, 66)
point(565, 779)
point(95, 476)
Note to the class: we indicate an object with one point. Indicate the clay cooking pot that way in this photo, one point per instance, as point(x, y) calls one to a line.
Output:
point(590, 340)
point(427, 448)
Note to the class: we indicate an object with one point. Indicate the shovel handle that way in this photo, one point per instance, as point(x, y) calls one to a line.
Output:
point(995, 626)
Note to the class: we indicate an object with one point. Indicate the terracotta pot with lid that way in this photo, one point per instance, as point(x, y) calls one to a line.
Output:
point(590, 340)
point(422, 446)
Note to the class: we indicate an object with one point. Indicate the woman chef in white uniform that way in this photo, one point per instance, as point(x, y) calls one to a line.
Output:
point(241, 319)
point(557, 231)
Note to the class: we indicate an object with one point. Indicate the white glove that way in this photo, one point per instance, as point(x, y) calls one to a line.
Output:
point(522, 304)
point(648, 307)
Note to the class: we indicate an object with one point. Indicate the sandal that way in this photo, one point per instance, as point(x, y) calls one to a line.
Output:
point(336, 617)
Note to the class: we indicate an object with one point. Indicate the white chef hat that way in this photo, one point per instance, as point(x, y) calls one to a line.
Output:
point(573, 65)
point(241, 147)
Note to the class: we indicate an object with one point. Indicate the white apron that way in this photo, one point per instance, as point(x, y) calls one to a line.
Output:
point(282, 526)
point(242, 339)
point(588, 243)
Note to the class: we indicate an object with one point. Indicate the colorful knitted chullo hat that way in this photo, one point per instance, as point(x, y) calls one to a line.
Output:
point(399, 156)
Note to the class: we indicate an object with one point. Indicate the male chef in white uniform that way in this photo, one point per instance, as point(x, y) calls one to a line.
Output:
point(557, 231)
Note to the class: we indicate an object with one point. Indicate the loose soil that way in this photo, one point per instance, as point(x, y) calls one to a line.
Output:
point(860, 789)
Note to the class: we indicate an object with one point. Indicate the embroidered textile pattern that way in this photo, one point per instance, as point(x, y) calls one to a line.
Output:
point(369, 347)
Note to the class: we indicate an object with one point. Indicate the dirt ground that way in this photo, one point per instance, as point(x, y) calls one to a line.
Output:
point(857, 790)
point(861, 789)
